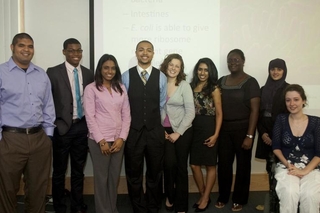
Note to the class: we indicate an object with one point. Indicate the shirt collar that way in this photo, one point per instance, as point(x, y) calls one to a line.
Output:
point(13, 65)
point(140, 69)
point(70, 67)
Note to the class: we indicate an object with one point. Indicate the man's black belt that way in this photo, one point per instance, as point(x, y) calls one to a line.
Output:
point(27, 131)
point(77, 120)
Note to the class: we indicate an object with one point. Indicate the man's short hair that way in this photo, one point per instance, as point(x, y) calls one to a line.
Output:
point(70, 41)
point(20, 36)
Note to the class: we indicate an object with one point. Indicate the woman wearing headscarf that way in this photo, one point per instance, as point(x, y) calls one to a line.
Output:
point(271, 105)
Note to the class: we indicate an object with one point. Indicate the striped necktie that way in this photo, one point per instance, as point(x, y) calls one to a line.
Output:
point(144, 76)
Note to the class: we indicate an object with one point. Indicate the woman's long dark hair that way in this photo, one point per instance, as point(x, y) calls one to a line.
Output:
point(212, 79)
point(116, 80)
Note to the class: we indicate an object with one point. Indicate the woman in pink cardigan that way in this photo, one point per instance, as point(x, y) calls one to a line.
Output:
point(107, 112)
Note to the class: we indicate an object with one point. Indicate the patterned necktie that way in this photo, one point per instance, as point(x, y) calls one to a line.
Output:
point(78, 96)
point(144, 76)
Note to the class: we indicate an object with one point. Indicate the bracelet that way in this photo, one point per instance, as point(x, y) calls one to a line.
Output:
point(250, 136)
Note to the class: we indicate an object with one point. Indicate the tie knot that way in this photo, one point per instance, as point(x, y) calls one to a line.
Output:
point(144, 73)
point(75, 70)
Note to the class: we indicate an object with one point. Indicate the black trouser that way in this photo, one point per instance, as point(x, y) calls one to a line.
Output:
point(176, 170)
point(230, 146)
point(149, 145)
point(75, 144)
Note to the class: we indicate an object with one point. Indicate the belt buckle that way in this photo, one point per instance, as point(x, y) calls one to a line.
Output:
point(77, 120)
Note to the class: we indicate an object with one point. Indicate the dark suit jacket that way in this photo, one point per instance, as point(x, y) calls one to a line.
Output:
point(62, 95)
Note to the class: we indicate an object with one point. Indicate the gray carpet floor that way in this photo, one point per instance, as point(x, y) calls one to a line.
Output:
point(124, 205)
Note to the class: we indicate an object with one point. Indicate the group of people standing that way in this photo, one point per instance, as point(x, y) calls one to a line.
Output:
point(146, 115)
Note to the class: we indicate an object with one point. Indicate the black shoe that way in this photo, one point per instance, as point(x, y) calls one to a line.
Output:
point(195, 205)
point(205, 208)
point(169, 208)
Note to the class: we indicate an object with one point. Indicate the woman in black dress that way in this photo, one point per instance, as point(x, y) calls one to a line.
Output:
point(206, 127)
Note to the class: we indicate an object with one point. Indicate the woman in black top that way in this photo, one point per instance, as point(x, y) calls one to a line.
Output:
point(206, 128)
point(271, 106)
point(240, 108)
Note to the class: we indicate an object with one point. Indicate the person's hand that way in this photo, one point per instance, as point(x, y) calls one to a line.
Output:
point(116, 146)
point(173, 137)
point(292, 170)
point(104, 147)
point(247, 143)
point(166, 135)
point(266, 139)
point(211, 141)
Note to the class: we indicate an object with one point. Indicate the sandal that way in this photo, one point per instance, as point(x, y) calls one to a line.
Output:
point(219, 205)
point(236, 207)
point(260, 207)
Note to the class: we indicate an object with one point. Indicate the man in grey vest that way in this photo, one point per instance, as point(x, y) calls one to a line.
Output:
point(147, 90)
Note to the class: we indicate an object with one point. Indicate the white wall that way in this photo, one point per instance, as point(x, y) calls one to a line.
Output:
point(9, 26)
point(264, 30)
point(50, 23)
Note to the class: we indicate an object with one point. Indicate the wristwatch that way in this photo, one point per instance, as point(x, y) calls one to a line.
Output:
point(250, 136)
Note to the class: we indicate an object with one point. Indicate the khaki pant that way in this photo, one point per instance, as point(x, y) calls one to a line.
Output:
point(30, 156)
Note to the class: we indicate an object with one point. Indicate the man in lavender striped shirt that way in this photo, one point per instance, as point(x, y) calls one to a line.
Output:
point(26, 122)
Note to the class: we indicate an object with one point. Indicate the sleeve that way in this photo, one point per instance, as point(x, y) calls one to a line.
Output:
point(0, 110)
point(48, 110)
point(125, 115)
point(220, 81)
point(278, 105)
point(163, 90)
point(89, 105)
point(277, 132)
point(252, 89)
point(317, 137)
point(260, 127)
point(125, 79)
point(189, 109)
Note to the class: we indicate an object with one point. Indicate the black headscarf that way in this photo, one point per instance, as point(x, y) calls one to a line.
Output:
point(271, 86)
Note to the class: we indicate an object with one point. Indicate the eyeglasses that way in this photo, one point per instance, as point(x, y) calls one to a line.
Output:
point(233, 60)
point(72, 51)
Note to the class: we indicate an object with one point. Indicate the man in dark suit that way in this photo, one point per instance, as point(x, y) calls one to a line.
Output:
point(70, 135)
